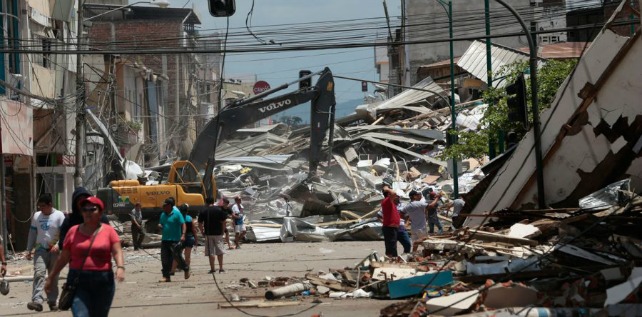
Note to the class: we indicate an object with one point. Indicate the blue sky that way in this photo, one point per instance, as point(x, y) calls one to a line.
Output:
point(279, 68)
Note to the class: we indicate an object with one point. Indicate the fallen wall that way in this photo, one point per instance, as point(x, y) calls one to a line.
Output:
point(589, 139)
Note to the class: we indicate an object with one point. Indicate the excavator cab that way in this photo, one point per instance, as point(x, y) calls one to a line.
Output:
point(184, 173)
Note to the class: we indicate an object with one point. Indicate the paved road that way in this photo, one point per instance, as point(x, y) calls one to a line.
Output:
point(142, 295)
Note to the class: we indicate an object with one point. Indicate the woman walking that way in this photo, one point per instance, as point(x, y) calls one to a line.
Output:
point(89, 248)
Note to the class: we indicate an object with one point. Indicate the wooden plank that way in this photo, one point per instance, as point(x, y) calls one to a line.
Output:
point(333, 285)
point(259, 304)
point(489, 236)
point(507, 276)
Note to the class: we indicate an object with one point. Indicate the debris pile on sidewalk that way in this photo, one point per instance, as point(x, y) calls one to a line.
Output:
point(581, 262)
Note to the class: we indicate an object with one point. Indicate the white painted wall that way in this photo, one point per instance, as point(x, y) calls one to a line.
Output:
point(580, 153)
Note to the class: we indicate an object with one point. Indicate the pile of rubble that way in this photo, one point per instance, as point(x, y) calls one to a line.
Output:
point(581, 262)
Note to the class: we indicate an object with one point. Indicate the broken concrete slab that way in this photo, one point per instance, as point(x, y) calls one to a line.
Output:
point(618, 293)
point(452, 304)
point(510, 295)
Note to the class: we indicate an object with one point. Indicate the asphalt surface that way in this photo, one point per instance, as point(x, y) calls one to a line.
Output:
point(203, 294)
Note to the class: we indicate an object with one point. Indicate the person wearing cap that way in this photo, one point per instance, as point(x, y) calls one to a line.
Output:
point(75, 217)
point(138, 231)
point(416, 211)
point(390, 223)
point(237, 216)
point(433, 216)
point(42, 247)
point(89, 248)
point(172, 224)
point(402, 234)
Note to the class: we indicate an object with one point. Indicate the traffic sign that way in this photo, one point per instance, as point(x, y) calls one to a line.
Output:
point(260, 86)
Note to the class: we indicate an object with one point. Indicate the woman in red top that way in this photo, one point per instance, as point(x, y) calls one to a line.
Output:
point(91, 265)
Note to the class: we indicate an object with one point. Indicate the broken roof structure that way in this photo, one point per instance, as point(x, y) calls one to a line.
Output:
point(589, 139)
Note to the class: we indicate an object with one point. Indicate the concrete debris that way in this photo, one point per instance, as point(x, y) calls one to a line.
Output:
point(498, 256)
point(519, 266)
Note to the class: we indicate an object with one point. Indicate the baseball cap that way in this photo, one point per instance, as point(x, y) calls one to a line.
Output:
point(169, 201)
point(93, 200)
point(413, 193)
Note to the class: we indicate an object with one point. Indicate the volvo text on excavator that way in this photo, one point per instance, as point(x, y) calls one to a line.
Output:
point(183, 181)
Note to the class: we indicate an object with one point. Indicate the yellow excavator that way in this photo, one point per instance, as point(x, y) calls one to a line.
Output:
point(182, 179)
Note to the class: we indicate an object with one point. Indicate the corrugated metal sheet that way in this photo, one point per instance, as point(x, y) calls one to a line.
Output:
point(248, 146)
point(411, 97)
point(279, 128)
point(474, 60)
point(266, 159)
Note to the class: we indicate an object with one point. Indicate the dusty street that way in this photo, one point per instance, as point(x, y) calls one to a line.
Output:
point(142, 295)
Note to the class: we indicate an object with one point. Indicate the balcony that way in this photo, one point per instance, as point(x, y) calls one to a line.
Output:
point(127, 133)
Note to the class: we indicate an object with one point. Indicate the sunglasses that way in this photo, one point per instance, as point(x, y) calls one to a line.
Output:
point(90, 209)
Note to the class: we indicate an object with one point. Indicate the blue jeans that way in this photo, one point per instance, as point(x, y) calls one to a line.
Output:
point(94, 294)
point(404, 239)
point(433, 220)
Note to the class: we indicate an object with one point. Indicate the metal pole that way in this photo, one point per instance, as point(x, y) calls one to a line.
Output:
point(80, 105)
point(453, 113)
point(489, 70)
point(541, 199)
point(3, 199)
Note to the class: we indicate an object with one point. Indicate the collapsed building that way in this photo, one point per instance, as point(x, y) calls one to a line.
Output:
point(577, 256)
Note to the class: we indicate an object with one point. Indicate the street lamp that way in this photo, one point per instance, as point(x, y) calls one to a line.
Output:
point(81, 96)
point(448, 7)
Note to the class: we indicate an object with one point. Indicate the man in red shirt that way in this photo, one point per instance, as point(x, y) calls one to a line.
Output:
point(391, 221)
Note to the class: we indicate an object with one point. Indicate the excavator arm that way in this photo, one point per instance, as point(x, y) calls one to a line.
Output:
point(251, 110)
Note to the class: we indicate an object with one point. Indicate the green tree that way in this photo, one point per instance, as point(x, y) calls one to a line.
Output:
point(475, 144)
point(292, 121)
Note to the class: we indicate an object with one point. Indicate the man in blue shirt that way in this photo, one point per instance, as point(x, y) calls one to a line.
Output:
point(173, 229)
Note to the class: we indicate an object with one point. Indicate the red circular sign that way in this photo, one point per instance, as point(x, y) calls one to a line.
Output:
point(260, 86)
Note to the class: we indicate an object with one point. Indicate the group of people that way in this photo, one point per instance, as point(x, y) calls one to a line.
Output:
point(419, 211)
point(179, 234)
point(84, 240)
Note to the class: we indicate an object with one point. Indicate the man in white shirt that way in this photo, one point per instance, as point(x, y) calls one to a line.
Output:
point(42, 246)
point(239, 226)
point(416, 211)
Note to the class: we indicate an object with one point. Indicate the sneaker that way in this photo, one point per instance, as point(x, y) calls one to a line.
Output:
point(164, 280)
point(34, 306)
point(211, 272)
point(221, 271)
point(187, 274)
point(53, 306)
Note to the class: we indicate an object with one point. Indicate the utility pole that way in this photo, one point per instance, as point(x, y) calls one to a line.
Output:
point(79, 171)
